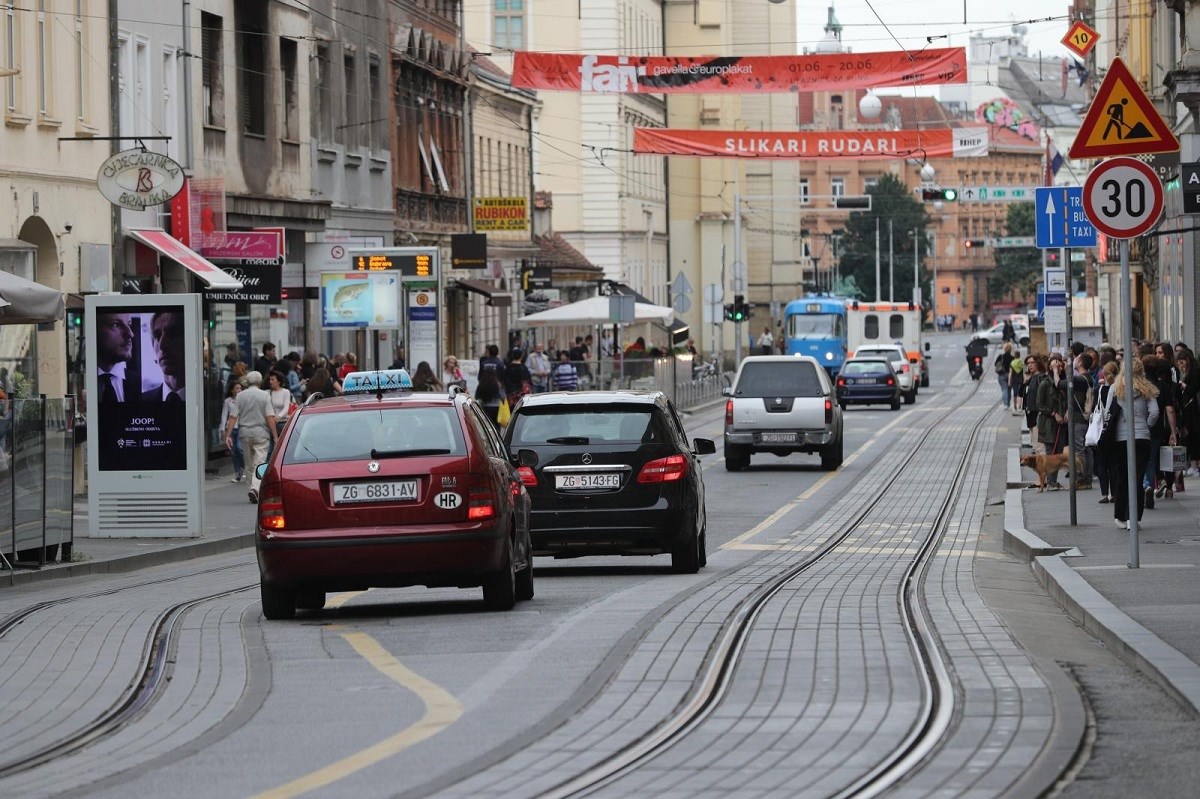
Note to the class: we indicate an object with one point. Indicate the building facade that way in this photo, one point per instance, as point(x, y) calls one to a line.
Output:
point(706, 192)
point(607, 202)
point(58, 228)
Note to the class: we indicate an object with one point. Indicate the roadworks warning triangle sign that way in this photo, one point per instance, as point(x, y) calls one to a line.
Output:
point(1122, 121)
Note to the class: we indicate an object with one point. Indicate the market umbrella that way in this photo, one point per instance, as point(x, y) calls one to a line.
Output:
point(594, 311)
point(23, 302)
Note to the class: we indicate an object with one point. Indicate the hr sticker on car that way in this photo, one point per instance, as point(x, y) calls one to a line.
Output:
point(447, 500)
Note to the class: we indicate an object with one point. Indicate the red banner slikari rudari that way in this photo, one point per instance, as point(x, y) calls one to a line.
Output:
point(737, 74)
point(937, 143)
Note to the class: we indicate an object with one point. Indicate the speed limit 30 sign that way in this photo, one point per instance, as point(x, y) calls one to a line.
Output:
point(1123, 197)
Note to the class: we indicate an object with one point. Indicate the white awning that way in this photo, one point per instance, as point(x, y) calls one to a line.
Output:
point(158, 239)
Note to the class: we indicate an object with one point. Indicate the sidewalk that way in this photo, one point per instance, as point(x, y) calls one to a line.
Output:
point(228, 525)
point(1149, 616)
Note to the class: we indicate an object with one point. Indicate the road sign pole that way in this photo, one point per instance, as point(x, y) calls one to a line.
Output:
point(1135, 482)
point(1072, 442)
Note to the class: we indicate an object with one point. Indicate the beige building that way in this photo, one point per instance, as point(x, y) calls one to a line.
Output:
point(704, 190)
point(608, 203)
point(483, 303)
point(53, 59)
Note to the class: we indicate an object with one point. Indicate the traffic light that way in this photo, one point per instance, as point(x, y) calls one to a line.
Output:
point(930, 195)
point(972, 244)
point(858, 202)
point(738, 310)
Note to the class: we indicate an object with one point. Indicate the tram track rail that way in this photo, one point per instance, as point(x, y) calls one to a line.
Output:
point(147, 684)
point(936, 716)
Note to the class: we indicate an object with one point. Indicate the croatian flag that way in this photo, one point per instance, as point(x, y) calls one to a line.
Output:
point(1054, 161)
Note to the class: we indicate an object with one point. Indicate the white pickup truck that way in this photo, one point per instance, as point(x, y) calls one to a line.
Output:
point(782, 404)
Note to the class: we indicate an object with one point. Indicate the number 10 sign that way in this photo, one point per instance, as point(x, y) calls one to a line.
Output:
point(1123, 197)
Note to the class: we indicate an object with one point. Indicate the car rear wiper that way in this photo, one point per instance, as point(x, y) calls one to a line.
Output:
point(577, 440)
point(376, 454)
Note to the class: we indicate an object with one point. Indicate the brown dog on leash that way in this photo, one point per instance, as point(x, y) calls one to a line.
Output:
point(1044, 464)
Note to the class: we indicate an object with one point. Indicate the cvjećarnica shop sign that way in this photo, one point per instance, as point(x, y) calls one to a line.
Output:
point(138, 179)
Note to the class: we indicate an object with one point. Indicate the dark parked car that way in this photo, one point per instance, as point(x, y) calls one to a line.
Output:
point(868, 381)
point(386, 487)
point(615, 475)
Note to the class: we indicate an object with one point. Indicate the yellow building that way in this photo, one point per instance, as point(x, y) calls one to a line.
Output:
point(56, 222)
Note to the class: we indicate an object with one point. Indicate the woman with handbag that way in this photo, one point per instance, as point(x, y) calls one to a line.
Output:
point(451, 373)
point(1002, 365)
point(1102, 454)
point(1189, 407)
point(1051, 405)
point(1145, 414)
point(1156, 482)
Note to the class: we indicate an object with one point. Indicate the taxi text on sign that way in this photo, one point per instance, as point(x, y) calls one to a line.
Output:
point(1122, 121)
point(1080, 38)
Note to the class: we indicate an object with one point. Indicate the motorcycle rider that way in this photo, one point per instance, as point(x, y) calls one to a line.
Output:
point(976, 353)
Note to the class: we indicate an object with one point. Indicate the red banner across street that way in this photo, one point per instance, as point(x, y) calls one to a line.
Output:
point(940, 143)
point(737, 74)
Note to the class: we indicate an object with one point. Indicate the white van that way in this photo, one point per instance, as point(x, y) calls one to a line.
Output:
point(874, 323)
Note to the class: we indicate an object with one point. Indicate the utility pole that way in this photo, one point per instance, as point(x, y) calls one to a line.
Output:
point(891, 265)
point(917, 280)
point(878, 291)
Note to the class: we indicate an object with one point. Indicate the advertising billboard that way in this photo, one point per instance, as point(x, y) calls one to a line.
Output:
point(144, 400)
point(360, 299)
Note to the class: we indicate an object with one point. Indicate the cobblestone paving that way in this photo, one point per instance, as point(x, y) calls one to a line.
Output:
point(68, 664)
point(828, 684)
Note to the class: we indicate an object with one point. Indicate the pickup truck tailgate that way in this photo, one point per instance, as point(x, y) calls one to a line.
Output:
point(779, 395)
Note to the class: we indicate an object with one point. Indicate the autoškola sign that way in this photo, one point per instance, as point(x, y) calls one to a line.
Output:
point(138, 179)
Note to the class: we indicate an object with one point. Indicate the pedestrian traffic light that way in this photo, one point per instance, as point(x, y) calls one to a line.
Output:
point(972, 244)
point(948, 195)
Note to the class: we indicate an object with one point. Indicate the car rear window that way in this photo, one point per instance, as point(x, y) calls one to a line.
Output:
point(891, 355)
point(391, 432)
point(778, 379)
point(571, 424)
point(864, 368)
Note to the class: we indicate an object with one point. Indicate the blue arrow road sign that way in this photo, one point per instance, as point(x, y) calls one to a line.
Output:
point(1060, 218)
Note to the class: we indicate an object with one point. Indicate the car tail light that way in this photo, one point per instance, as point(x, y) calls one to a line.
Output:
point(841, 382)
point(664, 470)
point(528, 478)
point(270, 510)
point(903, 368)
point(481, 504)
point(891, 381)
point(828, 410)
point(728, 412)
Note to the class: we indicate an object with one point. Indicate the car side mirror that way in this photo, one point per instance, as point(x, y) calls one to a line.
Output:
point(260, 471)
point(526, 457)
point(726, 392)
point(704, 446)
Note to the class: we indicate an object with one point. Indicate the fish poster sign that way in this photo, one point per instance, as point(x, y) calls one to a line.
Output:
point(360, 299)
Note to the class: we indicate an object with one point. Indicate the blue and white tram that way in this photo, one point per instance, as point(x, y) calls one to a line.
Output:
point(816, 326)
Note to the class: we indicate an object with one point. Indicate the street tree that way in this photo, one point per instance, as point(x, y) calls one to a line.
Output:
point(890, 200)
point(1018, 269)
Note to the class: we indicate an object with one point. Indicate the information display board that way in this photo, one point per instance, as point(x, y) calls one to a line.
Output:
point(144, 410)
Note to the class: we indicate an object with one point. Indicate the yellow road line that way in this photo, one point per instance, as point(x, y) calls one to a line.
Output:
point(441, 710)
point(337, 600)
point(736, 543)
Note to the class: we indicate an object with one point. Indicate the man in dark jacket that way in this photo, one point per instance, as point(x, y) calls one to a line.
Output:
point(1050, 404)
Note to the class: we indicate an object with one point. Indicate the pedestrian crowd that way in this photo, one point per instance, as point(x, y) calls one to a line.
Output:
point(1087, 386)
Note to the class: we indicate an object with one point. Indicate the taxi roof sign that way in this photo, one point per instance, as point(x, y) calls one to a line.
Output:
point(1081, 38)
point(377, 382)
point(1122, 121)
